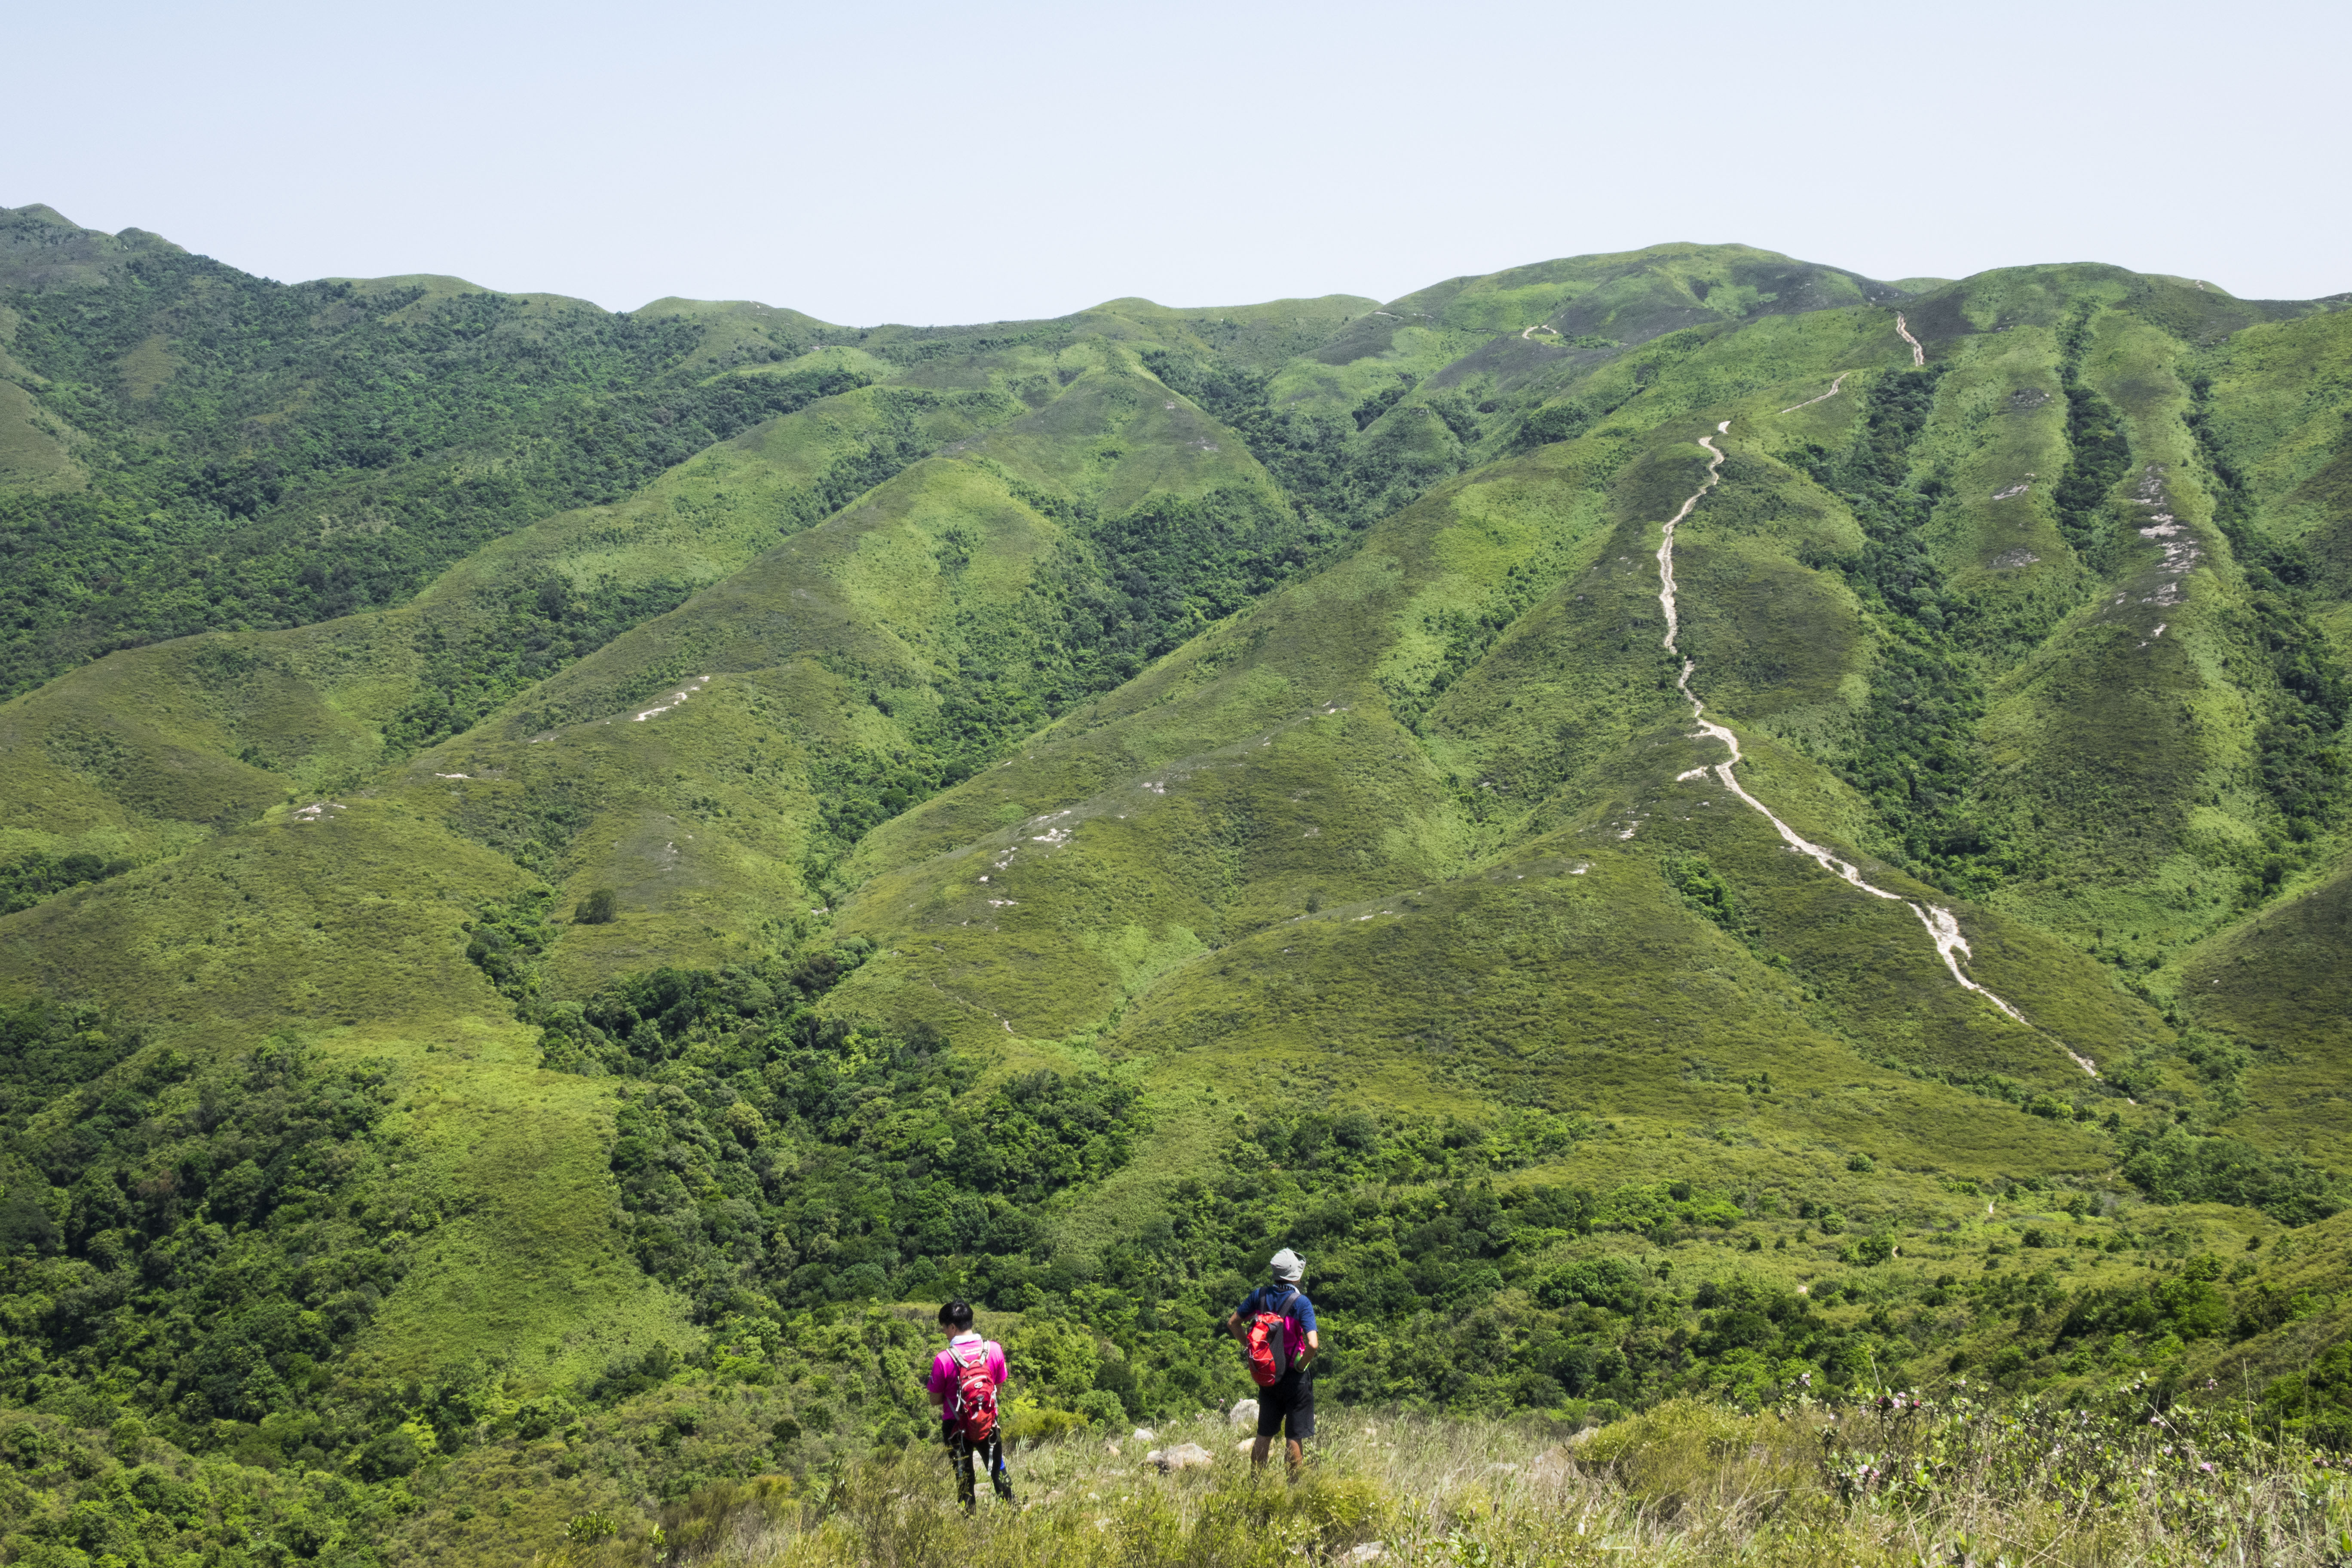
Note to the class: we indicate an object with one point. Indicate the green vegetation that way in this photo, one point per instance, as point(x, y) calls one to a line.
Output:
point(28, 879)
point(215, 1235)
point(774, 1159)
point(2172, 1167)
point(689, 837)
point(2099, 451)
point(1886, 1481)
point(1911, 753)
point(1350, 483)
point(404, 430)
point(2302, 766)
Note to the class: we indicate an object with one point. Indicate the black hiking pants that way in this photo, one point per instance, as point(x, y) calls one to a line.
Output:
point(990, 1450)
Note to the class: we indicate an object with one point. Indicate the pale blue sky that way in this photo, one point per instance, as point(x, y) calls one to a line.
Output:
point(931, 163)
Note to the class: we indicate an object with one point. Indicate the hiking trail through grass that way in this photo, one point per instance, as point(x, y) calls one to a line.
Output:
point(1943, 927)
point(1825, 397)
point(1919, 349)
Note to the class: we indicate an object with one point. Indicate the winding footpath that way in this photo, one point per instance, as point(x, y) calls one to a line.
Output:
point(1943, 928)
point(1825, 397)
point(1919, 349)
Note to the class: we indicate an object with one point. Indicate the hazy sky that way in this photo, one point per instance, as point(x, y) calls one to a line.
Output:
point(931, 163)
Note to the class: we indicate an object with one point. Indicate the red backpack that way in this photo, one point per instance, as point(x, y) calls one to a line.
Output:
point(975, 1393)
point(1266, 1364)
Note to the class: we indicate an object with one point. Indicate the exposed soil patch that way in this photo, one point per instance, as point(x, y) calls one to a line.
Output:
point(1918, 351)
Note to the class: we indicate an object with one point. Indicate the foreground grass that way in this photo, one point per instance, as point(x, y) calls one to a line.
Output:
point(1892, 1482)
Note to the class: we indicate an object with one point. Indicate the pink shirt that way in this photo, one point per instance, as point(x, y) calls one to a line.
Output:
point(946, 1374)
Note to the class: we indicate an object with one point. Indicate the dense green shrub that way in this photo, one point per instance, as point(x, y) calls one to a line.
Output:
point(2098, 451)
point(2177, 1166)
point(2300, 738)
point(1703, 891)
point(773, 1159)
point(436, 424)
point(1553, 422)
point(507, 940)
point(220, 1232)
point(1125, 589)
point(1318, 458)
point(444, 423)
point(28, 879)
point(2317, 1402)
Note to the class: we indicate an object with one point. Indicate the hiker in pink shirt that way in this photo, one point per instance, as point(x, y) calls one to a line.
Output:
point(963, 1382)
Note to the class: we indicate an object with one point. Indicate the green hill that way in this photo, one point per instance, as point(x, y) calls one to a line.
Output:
point(560, 866)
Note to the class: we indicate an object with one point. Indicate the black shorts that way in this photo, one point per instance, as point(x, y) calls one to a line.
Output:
point(1290, 1402)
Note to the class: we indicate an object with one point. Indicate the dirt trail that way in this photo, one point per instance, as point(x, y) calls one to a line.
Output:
point(1918, 351)
point(1943, 927)
point(1825, 397)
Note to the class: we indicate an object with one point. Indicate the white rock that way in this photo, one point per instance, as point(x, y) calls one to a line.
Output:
point(1141, 1435)
point(1245, 1446)
point(1243, 1410)
point(1182, 1457)
point(1370, 1552)
point(1552, 1468)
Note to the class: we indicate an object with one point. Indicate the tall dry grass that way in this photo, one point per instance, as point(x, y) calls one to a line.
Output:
point(1890, 1483)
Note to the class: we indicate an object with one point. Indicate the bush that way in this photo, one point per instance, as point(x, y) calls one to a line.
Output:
point(1553, 422)
point(1101, 1407)
point(597, 909)
point(2176, 1167)
point(2317, 1402)
point(1042, 1426)
point(1612, 1284)
point(1686, 1453)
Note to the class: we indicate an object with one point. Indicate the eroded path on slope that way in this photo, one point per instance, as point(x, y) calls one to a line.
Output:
point(1919, 349)
point(1943, 927)
point(1825, 397)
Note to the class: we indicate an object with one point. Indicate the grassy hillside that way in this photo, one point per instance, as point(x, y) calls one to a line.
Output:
point(676, 834)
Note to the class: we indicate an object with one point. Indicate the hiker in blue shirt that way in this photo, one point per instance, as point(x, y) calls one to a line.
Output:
point(1285, 1354)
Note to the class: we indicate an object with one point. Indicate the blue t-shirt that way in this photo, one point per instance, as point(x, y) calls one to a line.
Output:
point(1298, 1311)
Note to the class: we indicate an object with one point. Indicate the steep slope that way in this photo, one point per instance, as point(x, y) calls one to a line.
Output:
point(883, 654)
point(1480, 653)
point(134, 754)
point(251, 454)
